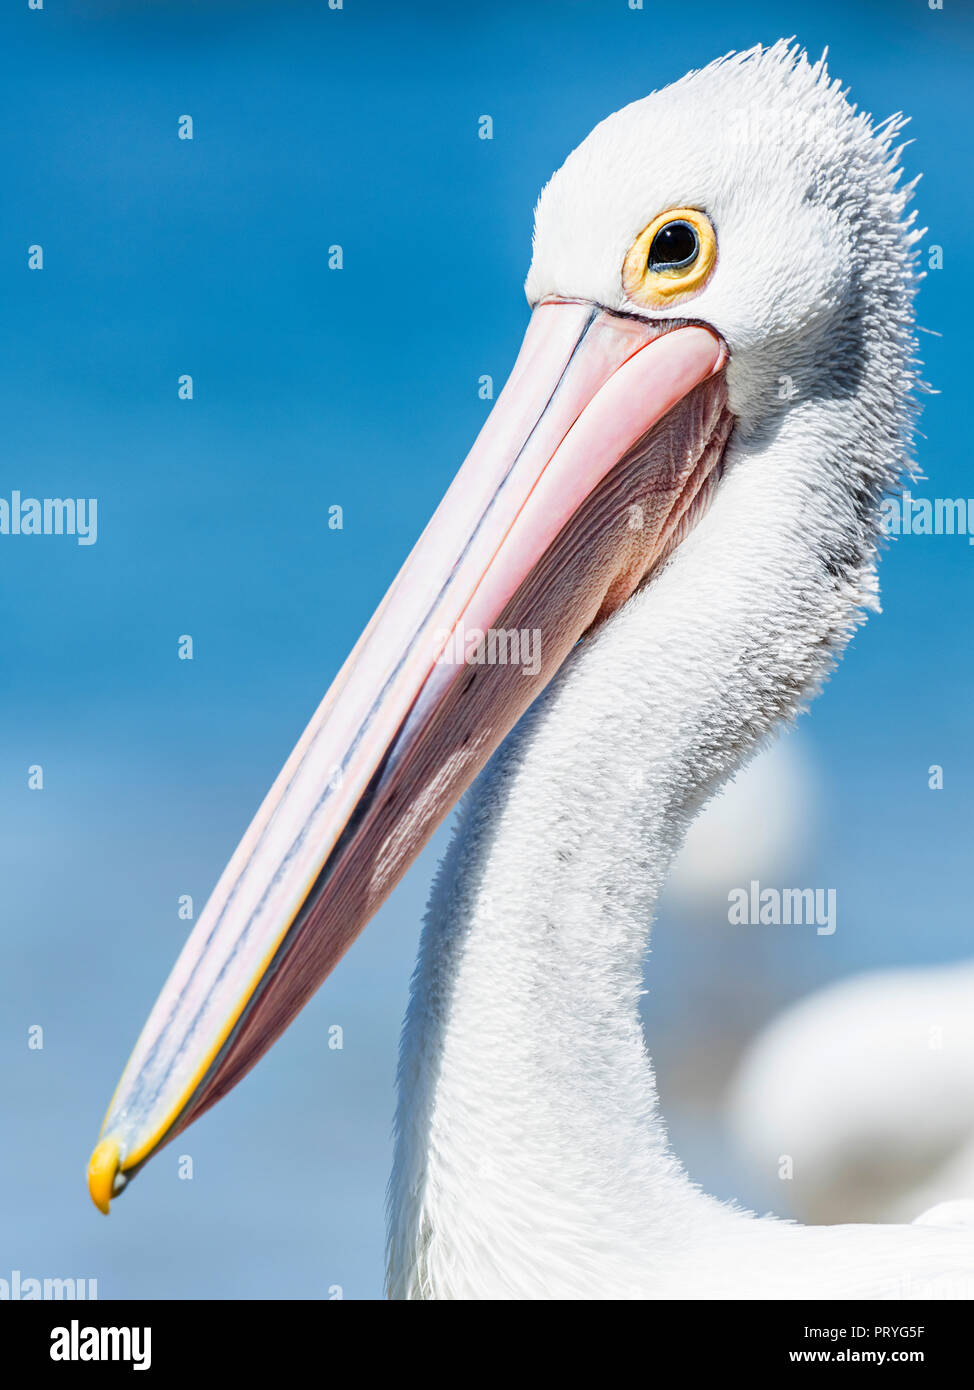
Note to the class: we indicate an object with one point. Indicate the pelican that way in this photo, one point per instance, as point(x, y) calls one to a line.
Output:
point(676, 496)
point(867, 1085)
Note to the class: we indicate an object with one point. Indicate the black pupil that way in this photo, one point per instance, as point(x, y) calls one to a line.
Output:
point(674, 246)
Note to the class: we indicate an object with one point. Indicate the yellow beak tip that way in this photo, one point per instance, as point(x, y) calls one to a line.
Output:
point(103, 1168)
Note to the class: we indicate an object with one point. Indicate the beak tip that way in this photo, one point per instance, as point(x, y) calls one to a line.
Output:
point(103, 1169)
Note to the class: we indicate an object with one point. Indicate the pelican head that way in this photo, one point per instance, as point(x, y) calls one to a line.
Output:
point(718, 362)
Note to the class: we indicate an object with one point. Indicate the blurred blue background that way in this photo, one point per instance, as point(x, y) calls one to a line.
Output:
point(358, 388)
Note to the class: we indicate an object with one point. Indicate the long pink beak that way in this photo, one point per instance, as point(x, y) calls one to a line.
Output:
point(585, 474)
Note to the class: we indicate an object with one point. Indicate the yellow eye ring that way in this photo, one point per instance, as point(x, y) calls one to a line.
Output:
point(670, 259)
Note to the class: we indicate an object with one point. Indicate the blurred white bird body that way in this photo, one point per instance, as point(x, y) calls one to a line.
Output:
point(684, 470)
point(867, 1084)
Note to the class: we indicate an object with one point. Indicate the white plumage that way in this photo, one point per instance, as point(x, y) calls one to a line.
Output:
point(531, 1159)
point(756, 827)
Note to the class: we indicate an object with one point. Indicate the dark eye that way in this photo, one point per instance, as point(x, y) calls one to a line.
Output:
point(674, 247)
